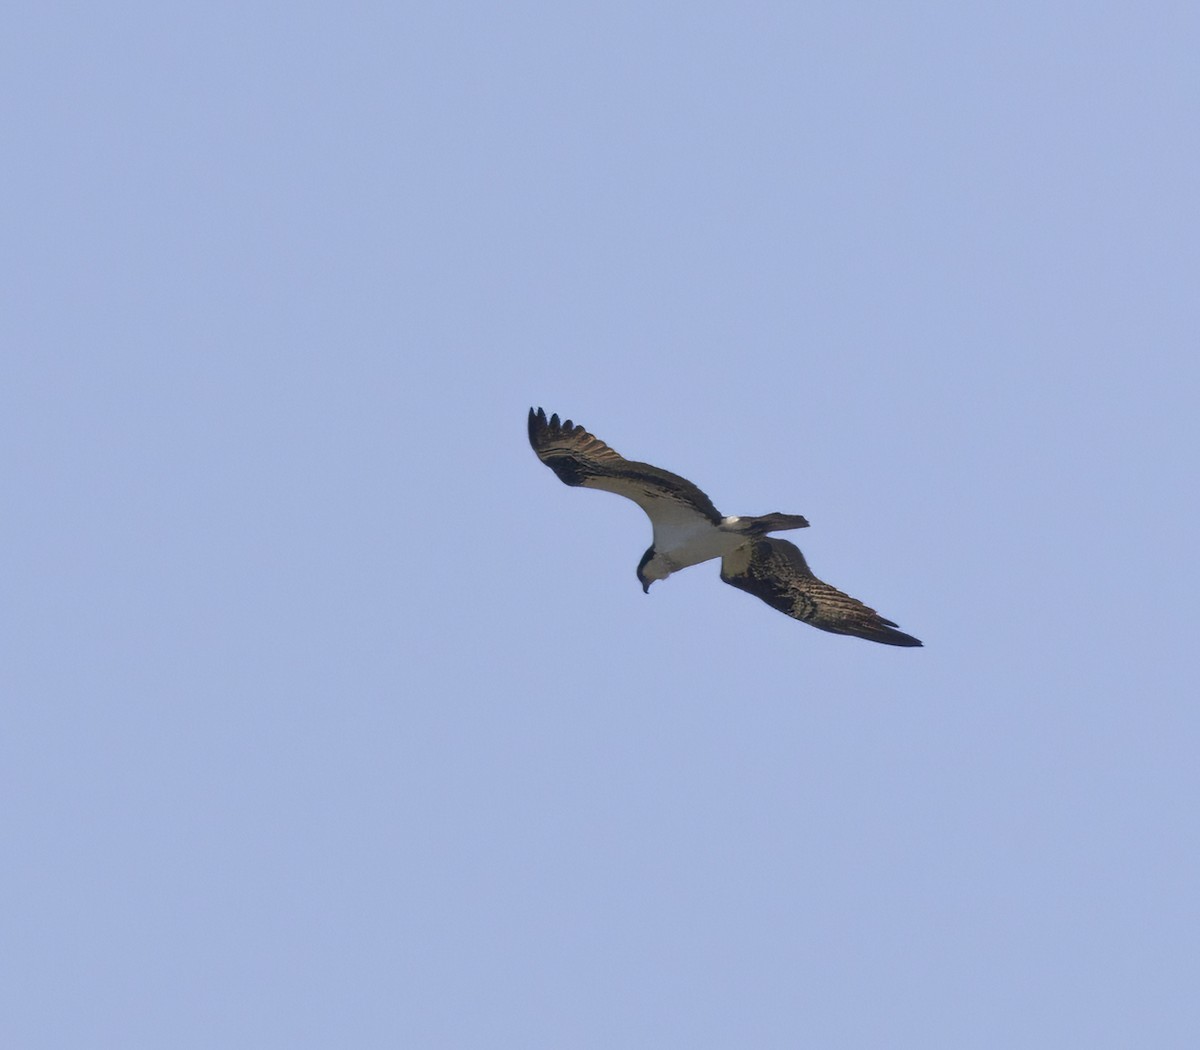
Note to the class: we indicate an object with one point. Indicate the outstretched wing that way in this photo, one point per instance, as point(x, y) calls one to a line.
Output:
point(775, 571)
point(580, 458)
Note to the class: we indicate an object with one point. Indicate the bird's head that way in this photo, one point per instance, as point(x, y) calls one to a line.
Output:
point(650, 569)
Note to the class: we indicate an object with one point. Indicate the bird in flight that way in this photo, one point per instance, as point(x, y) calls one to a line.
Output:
point(688, 530)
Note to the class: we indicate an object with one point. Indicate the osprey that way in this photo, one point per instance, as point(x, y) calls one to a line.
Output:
point(688, 529)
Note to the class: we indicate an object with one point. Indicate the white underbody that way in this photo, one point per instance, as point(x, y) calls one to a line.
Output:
point(690, 540)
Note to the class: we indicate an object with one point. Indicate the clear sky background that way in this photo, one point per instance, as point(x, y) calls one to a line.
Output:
point(331, 718)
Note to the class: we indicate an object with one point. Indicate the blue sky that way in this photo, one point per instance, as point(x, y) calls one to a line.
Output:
point(332, 718)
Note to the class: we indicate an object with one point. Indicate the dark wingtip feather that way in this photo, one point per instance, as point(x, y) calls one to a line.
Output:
point(537, 420)
point(879, 629)
point(887, 633)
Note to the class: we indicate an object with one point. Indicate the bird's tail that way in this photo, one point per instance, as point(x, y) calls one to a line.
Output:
point(775, 522)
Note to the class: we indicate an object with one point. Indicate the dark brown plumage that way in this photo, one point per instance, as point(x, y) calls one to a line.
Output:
point(688, 530)
point(775, 571)
point(580, 458)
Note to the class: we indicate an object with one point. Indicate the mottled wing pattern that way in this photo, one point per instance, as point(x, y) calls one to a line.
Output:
point(580, 458)
point(775, 571)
